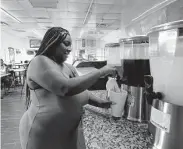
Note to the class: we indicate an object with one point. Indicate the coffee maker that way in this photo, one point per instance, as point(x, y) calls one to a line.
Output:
point(164, 87)
point(135, 64)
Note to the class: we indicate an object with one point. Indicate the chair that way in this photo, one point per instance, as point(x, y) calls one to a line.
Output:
point(13, 79)
point(6, 84)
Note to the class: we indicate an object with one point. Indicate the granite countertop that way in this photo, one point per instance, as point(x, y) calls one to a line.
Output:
point(102, 132)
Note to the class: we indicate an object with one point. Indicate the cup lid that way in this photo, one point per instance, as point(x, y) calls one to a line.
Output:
point(167, 26)
point(135, 40)
point(112, 45)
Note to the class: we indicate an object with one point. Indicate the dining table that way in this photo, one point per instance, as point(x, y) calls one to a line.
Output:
point(20, 74)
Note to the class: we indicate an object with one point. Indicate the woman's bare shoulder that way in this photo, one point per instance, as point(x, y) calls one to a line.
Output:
point(40, 63)
point(41, 59)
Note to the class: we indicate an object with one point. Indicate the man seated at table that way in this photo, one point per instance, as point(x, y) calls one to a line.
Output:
point(7, 81)
point(3, 67)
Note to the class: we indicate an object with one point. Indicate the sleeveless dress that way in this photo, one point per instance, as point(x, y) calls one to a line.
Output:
point(53, 123)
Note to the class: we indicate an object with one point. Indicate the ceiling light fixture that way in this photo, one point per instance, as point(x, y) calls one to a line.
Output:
point(37, 33)
point(154, 9)
point(4, 23)
point(91, 3)
point(19, 30)
point(11, 16)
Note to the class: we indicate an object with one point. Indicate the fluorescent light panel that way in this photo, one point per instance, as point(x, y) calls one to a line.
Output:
point(37, 33)
point(11, 16)
point(91, 3)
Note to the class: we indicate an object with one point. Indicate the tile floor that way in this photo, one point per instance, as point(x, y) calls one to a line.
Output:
point(12, 108)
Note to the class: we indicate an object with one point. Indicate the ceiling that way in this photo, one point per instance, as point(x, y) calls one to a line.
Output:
point(31, 18)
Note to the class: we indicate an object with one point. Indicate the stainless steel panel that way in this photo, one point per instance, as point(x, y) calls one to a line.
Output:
point(136, 107)
point(174, 138)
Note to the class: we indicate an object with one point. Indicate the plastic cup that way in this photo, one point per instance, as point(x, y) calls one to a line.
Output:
point(119, 99)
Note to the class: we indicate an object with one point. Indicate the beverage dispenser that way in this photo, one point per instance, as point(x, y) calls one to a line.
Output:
point(135, 64)
point(164, 88)
point(112, 54)
point(113, 85)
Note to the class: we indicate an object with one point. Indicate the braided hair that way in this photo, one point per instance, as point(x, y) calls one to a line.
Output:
point(52, 38)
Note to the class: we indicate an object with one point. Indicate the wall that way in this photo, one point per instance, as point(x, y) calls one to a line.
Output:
point(95, 50)
point(9, 40)
point(172, 12)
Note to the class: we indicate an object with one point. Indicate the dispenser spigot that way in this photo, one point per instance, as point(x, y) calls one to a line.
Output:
point(150, 94)
point(118, 79)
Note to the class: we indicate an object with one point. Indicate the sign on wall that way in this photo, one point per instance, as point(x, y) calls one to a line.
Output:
point(35, 43)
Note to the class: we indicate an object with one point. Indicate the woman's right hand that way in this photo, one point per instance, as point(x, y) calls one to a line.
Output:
point(108, 70)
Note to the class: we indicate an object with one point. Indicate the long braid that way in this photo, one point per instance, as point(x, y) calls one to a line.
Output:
point(49, 34)
point(49, 43)
point(51, 38)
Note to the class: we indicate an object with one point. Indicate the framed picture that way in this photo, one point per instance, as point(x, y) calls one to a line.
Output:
point(11, 54)
point(35, 43)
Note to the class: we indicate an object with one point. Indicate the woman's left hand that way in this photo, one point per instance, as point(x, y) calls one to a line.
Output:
point(105, 104)
point(98, 102)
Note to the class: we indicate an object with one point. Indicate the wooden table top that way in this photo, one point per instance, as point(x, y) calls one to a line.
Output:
point(18, 70)
point(5, 75)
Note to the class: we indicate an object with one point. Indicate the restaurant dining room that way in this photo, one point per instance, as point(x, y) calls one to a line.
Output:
point(91, 74)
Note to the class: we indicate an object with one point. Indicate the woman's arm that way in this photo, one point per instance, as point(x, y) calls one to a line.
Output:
point(42, 70)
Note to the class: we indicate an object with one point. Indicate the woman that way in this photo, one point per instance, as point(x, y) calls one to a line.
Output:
point(57, 95)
